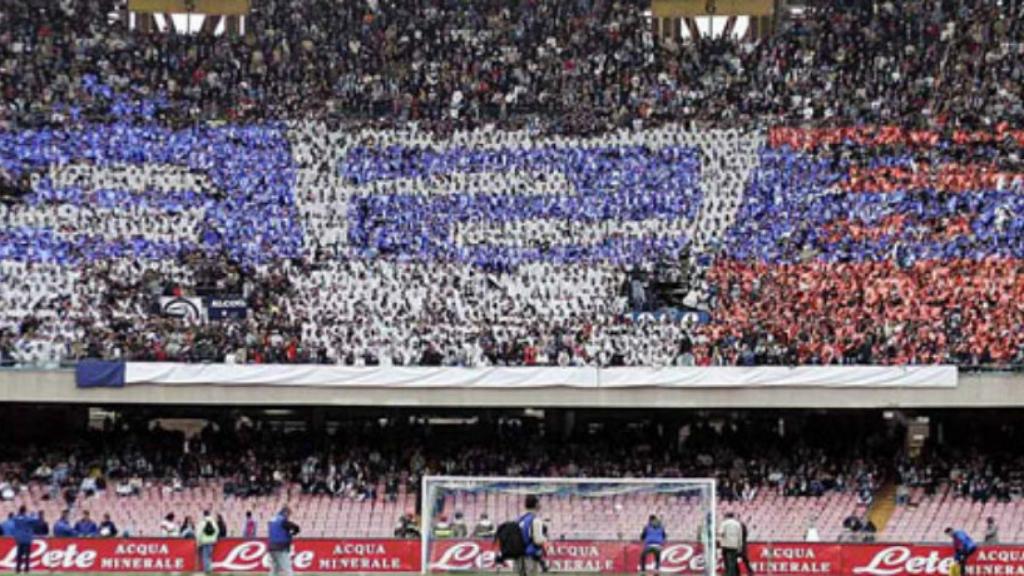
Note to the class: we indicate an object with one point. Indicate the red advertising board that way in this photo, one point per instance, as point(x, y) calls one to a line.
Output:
point(899, 559)
point(321, 556)
point(105, 555)
point(624, 557)
point(600, 557)
point(778, 559)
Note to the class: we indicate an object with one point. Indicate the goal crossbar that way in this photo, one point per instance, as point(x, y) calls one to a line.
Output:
point(557, 480)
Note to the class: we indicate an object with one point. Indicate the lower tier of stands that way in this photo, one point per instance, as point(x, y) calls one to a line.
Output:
point(769, 516)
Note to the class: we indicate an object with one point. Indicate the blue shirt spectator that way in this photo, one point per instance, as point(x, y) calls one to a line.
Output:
point(8, 526)
point(62, 528)
point(85, 527)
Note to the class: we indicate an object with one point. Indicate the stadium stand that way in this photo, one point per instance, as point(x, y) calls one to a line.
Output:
point(491, 266)
point(543, 237)
point(347, 485)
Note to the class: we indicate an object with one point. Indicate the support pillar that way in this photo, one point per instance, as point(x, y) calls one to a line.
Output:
point(691, 25)
point(730, 24)
point(233, 26)
point(210, 24)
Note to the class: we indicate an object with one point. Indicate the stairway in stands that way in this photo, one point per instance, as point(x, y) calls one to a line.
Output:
point(883, 506)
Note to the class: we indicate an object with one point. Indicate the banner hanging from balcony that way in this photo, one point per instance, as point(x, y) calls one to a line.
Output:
point(116, 374)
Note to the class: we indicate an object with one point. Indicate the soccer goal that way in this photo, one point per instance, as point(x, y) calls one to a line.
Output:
point(592, 524)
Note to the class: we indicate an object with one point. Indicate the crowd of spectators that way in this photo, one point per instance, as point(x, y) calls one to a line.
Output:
point(992, 477)
point(785, 271)
point(383, 460)
point(86, 527)
point(129, 456)
point(474, 183)
point(577, 66)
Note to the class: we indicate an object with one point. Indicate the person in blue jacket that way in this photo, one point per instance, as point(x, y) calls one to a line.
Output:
point(85, 527)
point(62, 528)
point(534, 532)
point(963, 548)
point(7, 526)
point(654, 538)
point(280, 532)
point(24, 532)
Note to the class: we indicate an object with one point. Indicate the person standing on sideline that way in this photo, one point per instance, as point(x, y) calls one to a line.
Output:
point(991, 531)
point(222, 526)
point(24, 531)
point(249, 529)
point(963, 548)
point(730, 538)
point(532, 529)
point(7, 527)
point(206, 537)
point(41, 528)
point(654, 538)
point(280, 532)
point(744, 556)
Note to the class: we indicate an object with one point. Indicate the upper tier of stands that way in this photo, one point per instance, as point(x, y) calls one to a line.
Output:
point(568, 67)
point(473, 183)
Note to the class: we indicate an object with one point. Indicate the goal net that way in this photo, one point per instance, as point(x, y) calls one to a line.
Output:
point(592, 524)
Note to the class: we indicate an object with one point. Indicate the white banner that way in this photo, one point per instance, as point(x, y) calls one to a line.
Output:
point(168, 373)
point(785, 376)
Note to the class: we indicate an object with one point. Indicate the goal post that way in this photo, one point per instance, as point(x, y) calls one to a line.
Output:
point(592, 524)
